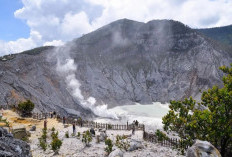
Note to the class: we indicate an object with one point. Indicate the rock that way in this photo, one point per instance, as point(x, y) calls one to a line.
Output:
point(202, 149)
point(102, 136)
point(134, 145)
point(19, 131)
point(11, 147)
point(116, 153)
point(33, 128)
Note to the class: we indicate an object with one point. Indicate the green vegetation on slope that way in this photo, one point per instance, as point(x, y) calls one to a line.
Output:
point(221, 34)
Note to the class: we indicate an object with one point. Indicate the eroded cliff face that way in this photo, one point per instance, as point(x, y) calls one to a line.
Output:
point(121, 63)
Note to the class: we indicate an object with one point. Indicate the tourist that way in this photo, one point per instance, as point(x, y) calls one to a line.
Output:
point(54, 114)
point(45, 124)
point(92, 132)
point(74, 128)
point(63, 120)
point(133, 128)
point(51, 114)
point(1, 114)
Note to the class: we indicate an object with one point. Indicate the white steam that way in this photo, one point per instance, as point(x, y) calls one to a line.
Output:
point(67, 69)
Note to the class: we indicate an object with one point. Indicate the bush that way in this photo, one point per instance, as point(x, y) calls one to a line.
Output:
point(42, 144)
point(109, 126)
point(109, 144)
point(54, 135)
point(66, 134)
point(25, 108)
point(43, 139)
point(56, 144)
point(44, 135)
point(122, 142)
point(86, 138)
point(78, 134)
point(160, 135)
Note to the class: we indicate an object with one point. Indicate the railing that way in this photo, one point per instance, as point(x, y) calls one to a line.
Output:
point(170, 142)
point(83, 123)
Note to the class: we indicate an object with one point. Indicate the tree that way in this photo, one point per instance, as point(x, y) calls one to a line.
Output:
point(109, 144)
point(209, 120)
point(86, 138)
point(26, 108)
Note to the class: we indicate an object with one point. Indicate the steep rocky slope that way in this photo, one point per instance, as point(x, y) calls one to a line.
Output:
point(120, 63)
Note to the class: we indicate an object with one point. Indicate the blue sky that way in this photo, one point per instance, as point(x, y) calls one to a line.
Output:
point(26, 24)
point(11, 28)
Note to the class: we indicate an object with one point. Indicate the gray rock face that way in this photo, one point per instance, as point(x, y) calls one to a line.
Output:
point(121, 63)
point(10, 147)
point(116, 153)
point(202, 149)
point(134, 145)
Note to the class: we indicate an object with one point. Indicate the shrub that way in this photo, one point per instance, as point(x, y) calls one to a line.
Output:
point(66, 134)
point(109, 126)
point(43, 139)
point(42, 144)
point(53, 129)
point(78, 134)
point(44, 135)
point(54, 135)
point(160, 135)
point(122, 142)
point(86, 138)
point(25, 108)
point(109, 144)
point(56, 144)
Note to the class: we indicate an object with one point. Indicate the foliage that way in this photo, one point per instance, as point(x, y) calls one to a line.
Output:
point(160, 135)
point(53, 129)
point(42, 144)
point(122, 142)
point(56, 144)
point(78, 134)
point(66, 134)
point(136, 123)
point(54, 135)
point(209, 120)
point(26, 108)
point(109, 126)
point(86, 138)
point(43, 139)
point(109, 144)
point(44, 135)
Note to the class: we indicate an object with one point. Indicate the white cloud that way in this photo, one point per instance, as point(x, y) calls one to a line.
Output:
point(58, 21)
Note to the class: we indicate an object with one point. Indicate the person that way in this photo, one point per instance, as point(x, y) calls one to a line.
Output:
point(74, 128)
point(45, 124)
point(133, 128)
point(54, 113)
point(63, 120)
point(92, 132)
point(1, 114)
point(51, 114)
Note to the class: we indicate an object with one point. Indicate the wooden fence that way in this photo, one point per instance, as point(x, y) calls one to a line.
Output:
point(83, 123)
point(170, 142)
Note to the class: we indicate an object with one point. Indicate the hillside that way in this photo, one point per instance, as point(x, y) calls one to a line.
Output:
point(121, 63)
point(221, 34)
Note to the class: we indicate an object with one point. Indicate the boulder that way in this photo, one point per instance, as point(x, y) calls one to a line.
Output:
point(202, 149)
point(33, 128)
point(19, 131)
point(103, 136)
point(11, 147)
point(134, 145)
point(116, 153)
